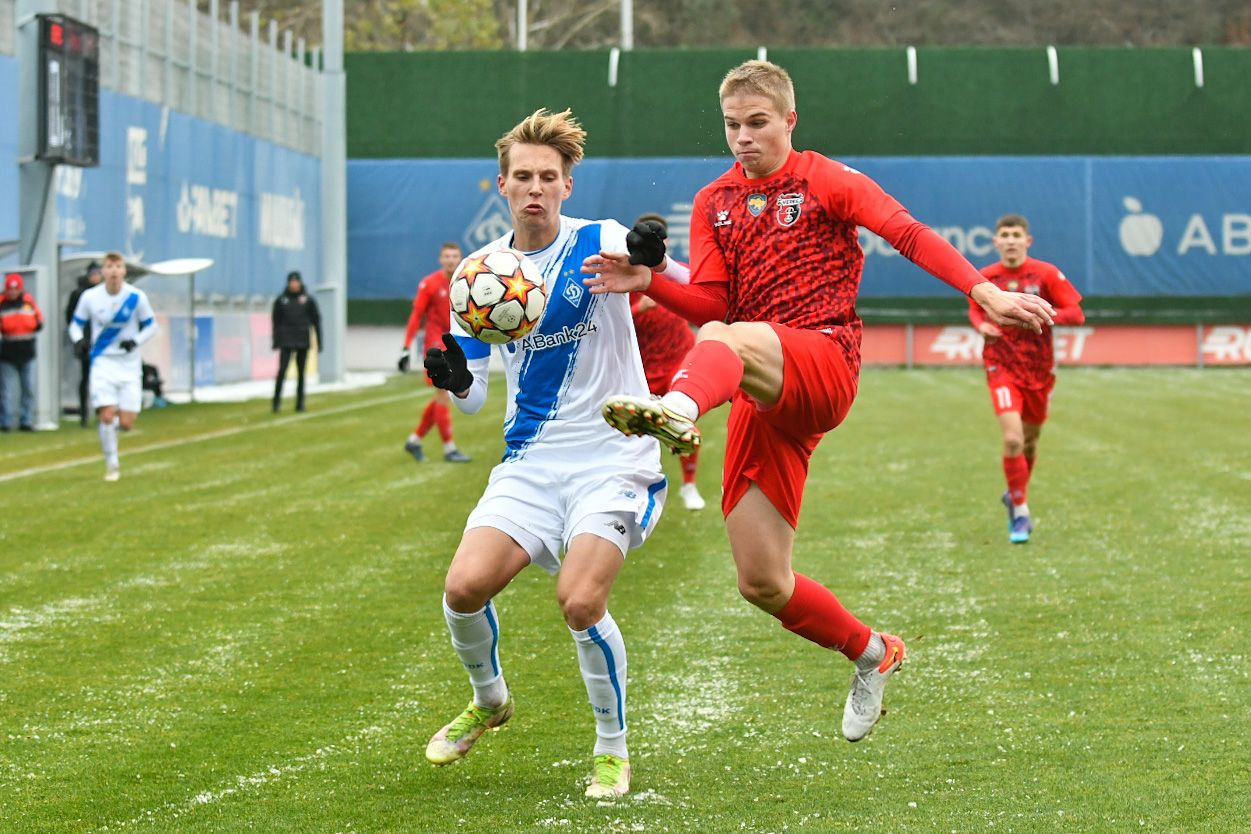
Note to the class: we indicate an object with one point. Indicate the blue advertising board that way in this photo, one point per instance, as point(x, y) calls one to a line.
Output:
point(173, 186)
point(8, 150)
point(1115, 225)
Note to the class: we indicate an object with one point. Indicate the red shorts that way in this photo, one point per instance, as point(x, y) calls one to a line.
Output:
point(771, 446)
point(1006, 394)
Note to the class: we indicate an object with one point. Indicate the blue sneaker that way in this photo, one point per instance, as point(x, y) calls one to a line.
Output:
point(1020, 530)
point(415, 450)
point(456, 456)
point(1007, 502)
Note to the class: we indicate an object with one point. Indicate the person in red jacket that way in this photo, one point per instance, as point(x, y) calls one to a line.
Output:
point(664, 338)
point(432, 310)
point(775, 270)
point(20, 320)
point(1020, 364)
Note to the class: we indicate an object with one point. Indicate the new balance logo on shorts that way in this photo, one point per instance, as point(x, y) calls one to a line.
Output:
point(616, 525)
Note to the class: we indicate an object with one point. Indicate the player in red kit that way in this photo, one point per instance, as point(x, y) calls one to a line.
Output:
point(664, 338)
point(431, 307)
point(775, 269)
point(1020, 365)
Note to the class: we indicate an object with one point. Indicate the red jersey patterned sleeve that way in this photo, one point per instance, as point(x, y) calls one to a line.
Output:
point(420, 302)
point(850, 194)
point(1064, 297)
point(707, 297)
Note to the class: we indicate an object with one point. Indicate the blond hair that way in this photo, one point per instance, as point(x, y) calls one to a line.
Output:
point(559, 131)
point(760, 78)
point(114, 256)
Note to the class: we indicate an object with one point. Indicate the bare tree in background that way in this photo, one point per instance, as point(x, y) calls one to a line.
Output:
point(397, 25)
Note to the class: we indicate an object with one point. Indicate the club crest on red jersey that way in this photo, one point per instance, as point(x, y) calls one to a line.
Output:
point(756, 203)
point(789, 207)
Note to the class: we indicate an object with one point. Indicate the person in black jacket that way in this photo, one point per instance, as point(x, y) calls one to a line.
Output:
point(89, 279)
point(295, 312)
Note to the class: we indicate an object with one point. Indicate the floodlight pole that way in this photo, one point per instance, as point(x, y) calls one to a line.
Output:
point(38, 216)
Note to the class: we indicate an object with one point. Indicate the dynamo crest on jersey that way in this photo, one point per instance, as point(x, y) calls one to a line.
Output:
point(756, 203)
point(789, 207)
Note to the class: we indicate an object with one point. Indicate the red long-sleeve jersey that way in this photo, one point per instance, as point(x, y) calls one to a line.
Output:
point(430, 303)
point(1028, 357)
point(784, 248)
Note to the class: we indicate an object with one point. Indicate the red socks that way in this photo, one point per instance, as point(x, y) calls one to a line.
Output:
point(443, 419)
point(710, 374)
point(435, 414)
point(689, 465)
point(814, 613)
point(1016, 471)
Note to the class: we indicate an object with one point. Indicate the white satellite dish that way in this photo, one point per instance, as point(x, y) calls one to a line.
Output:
point(180, 266)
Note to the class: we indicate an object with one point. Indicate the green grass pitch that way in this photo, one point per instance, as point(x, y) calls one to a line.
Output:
point(244, 633)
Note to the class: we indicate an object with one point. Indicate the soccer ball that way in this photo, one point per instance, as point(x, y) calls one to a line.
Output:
point(498, 297)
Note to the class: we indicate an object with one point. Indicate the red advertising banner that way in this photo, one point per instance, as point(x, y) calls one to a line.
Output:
point(1192, 345)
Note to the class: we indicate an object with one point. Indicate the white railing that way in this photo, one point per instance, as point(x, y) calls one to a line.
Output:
point(206, 65)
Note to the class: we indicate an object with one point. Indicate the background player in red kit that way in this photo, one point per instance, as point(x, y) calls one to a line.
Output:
point(775, 271)
point(1020, 366)
point(431, 307)
point(664, 338)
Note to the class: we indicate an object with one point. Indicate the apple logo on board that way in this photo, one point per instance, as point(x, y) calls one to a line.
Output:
point(1141, 234)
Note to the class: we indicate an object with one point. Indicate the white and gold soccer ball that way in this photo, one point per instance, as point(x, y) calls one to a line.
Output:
point(498, 297)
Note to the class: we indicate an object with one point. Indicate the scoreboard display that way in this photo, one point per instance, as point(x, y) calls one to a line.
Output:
point(69, 91)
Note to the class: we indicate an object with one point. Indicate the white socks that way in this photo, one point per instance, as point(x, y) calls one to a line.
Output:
point(874, 652)
point(475, 637)
point(449, 447)
point(108, 442)
point(682, 404)
point(1019, 510)
point(602, 658)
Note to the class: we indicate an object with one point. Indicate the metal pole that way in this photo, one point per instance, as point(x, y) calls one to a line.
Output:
point(627, 24)
point(37, 222)
point(191, 335)
point(522, 25)
point(333, 288)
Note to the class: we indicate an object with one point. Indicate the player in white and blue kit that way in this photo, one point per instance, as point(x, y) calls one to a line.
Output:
point(567, 482)
point(121, 320)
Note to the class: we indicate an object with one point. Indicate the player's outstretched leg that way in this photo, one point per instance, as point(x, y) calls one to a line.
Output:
point(864, 701)
point(610, 777)
point(455, 740)
point(630, 414)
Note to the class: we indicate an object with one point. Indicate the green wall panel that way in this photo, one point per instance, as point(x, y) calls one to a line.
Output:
point(851, 101)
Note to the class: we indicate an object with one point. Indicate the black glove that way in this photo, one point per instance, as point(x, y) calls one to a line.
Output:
point(646, 243)
point(127, 345)
point(448, 368)
point(403, 363)
point(81, 348)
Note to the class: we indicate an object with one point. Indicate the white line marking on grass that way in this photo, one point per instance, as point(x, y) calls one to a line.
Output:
point(212, 435)
point(246, 784)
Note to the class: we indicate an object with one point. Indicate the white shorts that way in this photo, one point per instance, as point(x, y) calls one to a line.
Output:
point(116, 383)
point(543, 508)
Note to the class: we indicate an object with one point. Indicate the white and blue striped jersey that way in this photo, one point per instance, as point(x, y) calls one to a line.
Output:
point(583, 351)
point(114, 319)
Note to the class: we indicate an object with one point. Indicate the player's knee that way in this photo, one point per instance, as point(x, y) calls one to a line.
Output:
point(717, 331)
point(1013, 445)
point(581, 611)
point(762, 592)
point(464, 596)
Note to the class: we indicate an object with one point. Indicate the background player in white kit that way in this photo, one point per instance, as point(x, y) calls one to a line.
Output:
point(121, 320)
point(564, 481)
